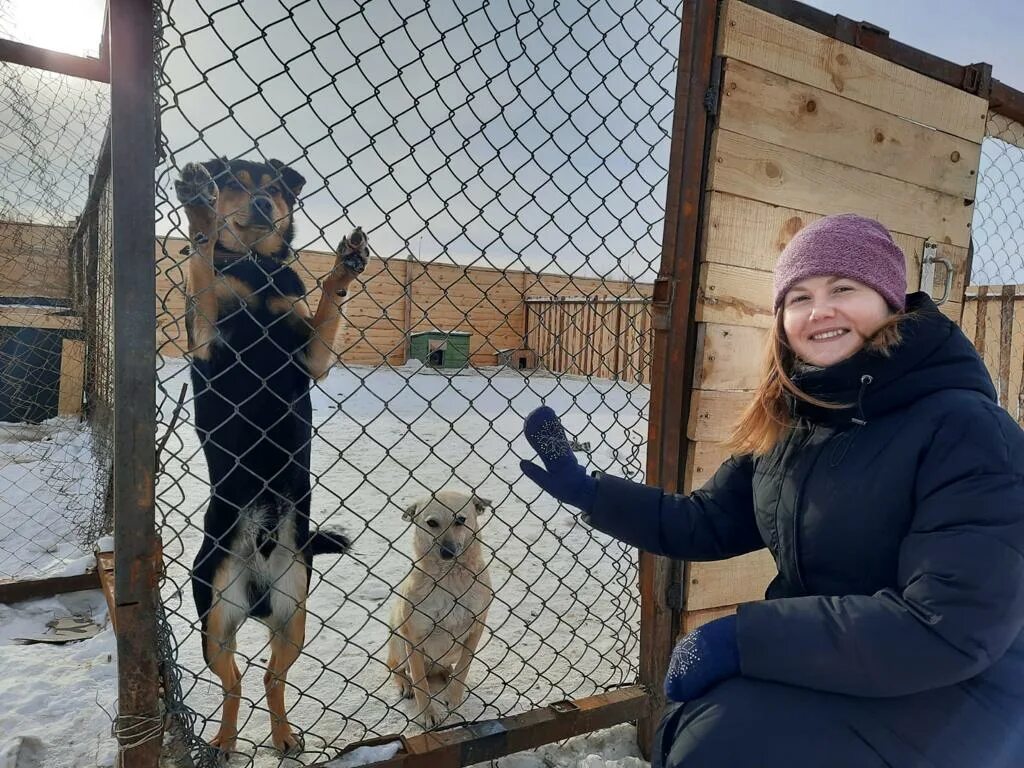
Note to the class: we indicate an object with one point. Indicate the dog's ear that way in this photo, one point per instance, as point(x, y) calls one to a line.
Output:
point(292, 179)
point(481, 504)
point(217, 167)
point(411, 510)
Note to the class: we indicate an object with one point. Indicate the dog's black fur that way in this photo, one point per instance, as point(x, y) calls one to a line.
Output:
point(255, 350)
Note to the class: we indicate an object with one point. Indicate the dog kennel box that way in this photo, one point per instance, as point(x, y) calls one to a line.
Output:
point(520, 359)
point(441, 349)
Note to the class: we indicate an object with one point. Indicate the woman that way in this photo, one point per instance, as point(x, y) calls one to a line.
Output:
point(876, 466)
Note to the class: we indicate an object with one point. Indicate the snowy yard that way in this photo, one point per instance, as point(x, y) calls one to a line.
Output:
point(564, 623)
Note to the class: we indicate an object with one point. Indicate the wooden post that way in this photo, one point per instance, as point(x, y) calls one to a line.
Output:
point(133, 163)
point(674, 344)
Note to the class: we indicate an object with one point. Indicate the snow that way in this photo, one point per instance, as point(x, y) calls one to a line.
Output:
point(564, 623)
point(57, 694)
point(47, 496)
point(565, 620)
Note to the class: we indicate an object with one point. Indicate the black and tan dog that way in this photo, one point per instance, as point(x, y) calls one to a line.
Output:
point(255, 349)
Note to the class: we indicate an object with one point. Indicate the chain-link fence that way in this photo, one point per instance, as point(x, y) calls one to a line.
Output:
point(994, 306)
point(54, 464)
point(497, 160)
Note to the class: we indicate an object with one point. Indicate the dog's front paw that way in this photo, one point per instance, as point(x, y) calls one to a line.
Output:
point(196, 187)
point(429, 717)
point(455, 694)
point(354, 251)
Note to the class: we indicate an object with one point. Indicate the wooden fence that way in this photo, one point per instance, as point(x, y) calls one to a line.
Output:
point(605, 337)
point(397, 297)
point(994, 320)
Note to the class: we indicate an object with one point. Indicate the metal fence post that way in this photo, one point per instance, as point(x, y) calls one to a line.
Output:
point(675, 339)
point(135, 543)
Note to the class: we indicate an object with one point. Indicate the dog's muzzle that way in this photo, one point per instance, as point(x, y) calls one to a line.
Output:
point(448, 551)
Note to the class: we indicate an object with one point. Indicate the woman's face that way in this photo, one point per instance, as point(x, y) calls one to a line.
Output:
point(828, 319)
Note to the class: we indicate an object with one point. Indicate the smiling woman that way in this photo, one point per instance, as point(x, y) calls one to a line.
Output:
point(67, 26)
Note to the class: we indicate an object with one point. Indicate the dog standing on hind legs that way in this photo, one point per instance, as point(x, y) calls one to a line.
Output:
point(255, 349)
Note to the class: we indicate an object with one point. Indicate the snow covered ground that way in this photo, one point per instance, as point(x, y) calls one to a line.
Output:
point(564, 623)
point(565, 620)
point(47, 497)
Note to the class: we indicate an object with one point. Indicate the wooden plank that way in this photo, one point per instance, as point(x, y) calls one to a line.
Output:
point(749, 233)
point(729, 356)
point(758, 170)
point(735, 296)
point(105, 570)
point(773, 108)
point(20, 590)
point(72, 377)
point(1006, 302)
point(487, 740)
point(774, 44)
point(694, 619)
point(39, 317)
point(702, 461)
point(993, 339)
point(1015, 399)
point(968, 318)
point(727, 582)
point(713, 414)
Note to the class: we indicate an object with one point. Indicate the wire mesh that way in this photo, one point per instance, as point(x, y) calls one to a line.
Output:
point(508, 168)
point(53, 463)
point(993, 314)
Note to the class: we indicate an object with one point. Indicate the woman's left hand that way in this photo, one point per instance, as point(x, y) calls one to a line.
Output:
point(702, 659)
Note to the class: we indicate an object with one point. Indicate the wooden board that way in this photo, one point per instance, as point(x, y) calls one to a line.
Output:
point(105, 569)
point(734, 296)
point(694, 619)
point(776, 175)
point(773, 108)
point(713, 414)
point(72, 377)
point(39, 317)
point(729, 356)
point(774, 44)
point(727, 582)
point(702, 461)
point(19, 590)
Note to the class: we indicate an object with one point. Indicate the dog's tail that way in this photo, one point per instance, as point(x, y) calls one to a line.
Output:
point(325, 542)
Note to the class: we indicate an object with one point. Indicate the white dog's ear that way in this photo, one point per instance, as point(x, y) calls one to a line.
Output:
point(480, 503)
point(411, 510)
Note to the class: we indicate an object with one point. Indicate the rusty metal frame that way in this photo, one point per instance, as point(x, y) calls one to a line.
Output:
point(25, 55)
point(491, 739)
point(132, 25)
point(973, 78)
point(675, 334)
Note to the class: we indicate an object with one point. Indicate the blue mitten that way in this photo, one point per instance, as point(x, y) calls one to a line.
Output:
point(703, 659)
point(562, 476)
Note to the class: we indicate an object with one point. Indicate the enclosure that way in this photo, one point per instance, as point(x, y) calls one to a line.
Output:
point(578, 206)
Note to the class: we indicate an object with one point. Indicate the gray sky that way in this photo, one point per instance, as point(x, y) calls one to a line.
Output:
point(514, 133)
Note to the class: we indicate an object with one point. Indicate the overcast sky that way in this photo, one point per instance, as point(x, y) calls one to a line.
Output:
point(516, 133)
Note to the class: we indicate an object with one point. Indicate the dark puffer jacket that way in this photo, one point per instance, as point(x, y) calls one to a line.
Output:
point(898, 529)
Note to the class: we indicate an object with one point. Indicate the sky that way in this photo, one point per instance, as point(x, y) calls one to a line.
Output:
point(507, 133)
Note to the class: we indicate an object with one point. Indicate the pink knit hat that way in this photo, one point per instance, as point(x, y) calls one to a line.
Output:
point(845, 245)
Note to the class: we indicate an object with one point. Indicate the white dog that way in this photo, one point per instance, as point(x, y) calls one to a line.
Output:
point(440, 610)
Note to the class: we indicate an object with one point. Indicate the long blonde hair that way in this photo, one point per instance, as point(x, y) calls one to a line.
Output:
point(767, 419)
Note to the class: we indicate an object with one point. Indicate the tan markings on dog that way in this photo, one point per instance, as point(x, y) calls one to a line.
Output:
point(286, 646)
point(244, 179)
point(200, 289)
point(230, 290)
point(294, 306)
point(220, 655)
point(440, 610)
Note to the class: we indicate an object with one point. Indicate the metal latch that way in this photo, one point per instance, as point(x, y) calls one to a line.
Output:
point(564, 706)
point(928, 262)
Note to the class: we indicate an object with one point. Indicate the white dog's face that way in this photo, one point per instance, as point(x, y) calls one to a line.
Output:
point(446, 523)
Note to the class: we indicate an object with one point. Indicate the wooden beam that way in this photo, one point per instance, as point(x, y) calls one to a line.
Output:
point(794, 51)
point(727, 582)
point(39, 317)
point(20, 590)
point(755, 169)
point(33, 56)
point(72, 377)
point(791, 114)
point(490, 739)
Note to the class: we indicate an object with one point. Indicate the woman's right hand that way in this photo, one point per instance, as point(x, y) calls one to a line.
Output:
point(562, 476)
